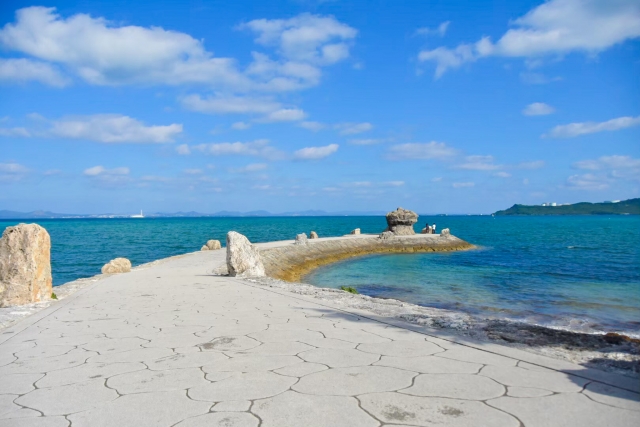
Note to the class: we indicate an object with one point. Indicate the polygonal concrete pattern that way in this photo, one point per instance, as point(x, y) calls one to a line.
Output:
point(173, 345)
point(292, 409)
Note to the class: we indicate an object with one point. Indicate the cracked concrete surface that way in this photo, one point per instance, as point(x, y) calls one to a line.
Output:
point(174, 345)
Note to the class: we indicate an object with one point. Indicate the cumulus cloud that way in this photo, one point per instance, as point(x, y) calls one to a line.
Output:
point(259, 148)
point(285, 115)
point(254, 167)
point(556, 27)
point(394, 183)
point(312, 126)
point(576, 129)
point(421, 151)
point(440, 30)
point(21, 70)
point(183, 150)
point(463, 184)
point(305, 38)
point(193, 171)
point(479, 163)
point(240, 126)
point(17, 131)
point(535, 164)
point(502, 174)
point(538, 109)
point(353, 128)
point(588, 182)
point(314, 153)
point(366, 141)
point(113, 128)
point(230, 104)
point(101, 52)
point(101, 170)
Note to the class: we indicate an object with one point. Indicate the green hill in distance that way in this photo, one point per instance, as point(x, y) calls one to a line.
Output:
point(624, 207)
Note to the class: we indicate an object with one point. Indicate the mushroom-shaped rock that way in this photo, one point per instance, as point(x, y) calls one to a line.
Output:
point(243, 259)
point(115, 266)
point(25, 265)
point(301, 239)
point(445, 233)
point(211, 245)
point(313, 235)
point(355, 232)
point(400, 222)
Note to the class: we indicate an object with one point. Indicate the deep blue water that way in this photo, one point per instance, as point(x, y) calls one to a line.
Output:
point(576, 272)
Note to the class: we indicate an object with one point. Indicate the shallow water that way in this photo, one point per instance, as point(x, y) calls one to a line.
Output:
point(582, 273)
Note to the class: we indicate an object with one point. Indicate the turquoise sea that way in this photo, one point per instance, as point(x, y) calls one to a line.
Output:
point(579, 273)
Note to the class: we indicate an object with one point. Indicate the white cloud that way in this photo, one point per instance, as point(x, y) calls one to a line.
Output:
point(183, 150)
point(313, 153)
point(538, 109)
point(312, 126)
point(440, 30)
point(254, 167)
point(502, 174)
point(193, 171)
point(436, 179)
point(259, 147)
point(576, 129)
point(22, 132)
point(230, 104)
point(556, 27)
point(365, 141)
point(588, 182)
point(305, 38)
point(353, 128)
point(536, 164)
point(612, 167)
point(113, 128)
point(240, 126)
point(422, 151)
point(463, 184)
point(12, 171)
point(479, 163)
point(285, 115)
point(394, 183)
point(101, 170)
point(23, 70)
point(262, 187)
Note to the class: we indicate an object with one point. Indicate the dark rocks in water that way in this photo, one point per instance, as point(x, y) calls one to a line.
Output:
point(400, 222)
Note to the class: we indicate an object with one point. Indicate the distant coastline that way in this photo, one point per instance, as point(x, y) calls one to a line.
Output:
point(624, 207)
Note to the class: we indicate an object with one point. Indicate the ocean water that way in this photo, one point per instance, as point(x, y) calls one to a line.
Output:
point(579, 273)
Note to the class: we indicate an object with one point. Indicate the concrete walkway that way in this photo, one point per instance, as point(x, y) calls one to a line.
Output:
point(174, 345)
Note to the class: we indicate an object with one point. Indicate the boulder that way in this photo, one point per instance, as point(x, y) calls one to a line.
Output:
point(400, 222)
point(25, 265)
point(115, 266)
point(445, 233)
point(425, 230)
point(355, 232)
point(386, 235)
point(301, 239)
point(211, 245)
point(243, 259)
point(313, 235)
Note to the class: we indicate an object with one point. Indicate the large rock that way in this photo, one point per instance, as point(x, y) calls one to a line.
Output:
point(243, 259)
point(211, 245)
point(445, 233)
point(115, 266)
point(400, 222)
point(355, 232)
point(313, 235)
point(301, 239)
point(25, 265)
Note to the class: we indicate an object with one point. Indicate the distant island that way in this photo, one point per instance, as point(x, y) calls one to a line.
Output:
point(624, 207)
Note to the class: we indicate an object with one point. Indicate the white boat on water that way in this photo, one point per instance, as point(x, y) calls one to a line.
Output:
point(137, 216)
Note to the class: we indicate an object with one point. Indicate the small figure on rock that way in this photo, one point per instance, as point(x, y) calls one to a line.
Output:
point(313, 235)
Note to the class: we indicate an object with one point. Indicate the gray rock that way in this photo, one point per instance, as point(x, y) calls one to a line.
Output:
point(301, 239)
point(355, 232)
point(25, 265)
point(401, 221)
point(118, 265)
point(313, 235)
point(243, 259)
point(211, 245)
point(445, 233)
point(386, 235)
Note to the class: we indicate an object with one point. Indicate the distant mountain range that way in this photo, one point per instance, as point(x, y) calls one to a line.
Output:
point(7, 214)
point(624, 207)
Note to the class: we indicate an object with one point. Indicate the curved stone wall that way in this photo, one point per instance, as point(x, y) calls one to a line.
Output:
point(291, 262)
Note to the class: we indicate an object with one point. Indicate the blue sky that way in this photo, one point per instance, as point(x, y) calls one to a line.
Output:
point(436, 106)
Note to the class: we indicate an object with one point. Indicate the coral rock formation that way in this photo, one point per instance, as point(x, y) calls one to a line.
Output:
point(400, 222)
point(243, 260)
point(118, 265)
